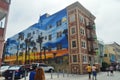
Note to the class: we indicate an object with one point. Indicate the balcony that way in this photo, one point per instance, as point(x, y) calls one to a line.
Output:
point(92, 51)
point(92, 38)
point(91, 26)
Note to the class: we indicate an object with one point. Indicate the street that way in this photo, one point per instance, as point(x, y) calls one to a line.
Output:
point(61, 76)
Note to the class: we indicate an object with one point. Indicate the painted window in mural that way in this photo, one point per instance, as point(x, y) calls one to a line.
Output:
point(85, 59)
point(73, 30)
point(83, 44)
point(50, 37)
point(74, 58)
point(59, 34)
point(73, 44)
point(72, 17)
point(81, 18)
point(59, 23)
point(82, 31)
point(59, 46)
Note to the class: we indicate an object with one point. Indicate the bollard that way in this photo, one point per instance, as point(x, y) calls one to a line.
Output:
point(13, 75)
point(25, 74)
point(63, 73)
point(58, 74)
point(51, 75)
point(67, 74)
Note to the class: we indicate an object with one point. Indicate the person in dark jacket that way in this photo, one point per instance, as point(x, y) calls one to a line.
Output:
point(32, 74)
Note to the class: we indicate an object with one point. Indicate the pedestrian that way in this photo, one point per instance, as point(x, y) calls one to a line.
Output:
point(32, 73)
point(111, 70)
point(94, 72)
point(107, 70)
point(39, 74)
point(89, 70)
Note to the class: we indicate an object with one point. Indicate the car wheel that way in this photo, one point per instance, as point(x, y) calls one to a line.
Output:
point(51, 70)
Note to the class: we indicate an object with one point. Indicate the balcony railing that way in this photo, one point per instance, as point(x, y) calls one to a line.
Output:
point(92, 51)
point(92, 38)
point(91, 26)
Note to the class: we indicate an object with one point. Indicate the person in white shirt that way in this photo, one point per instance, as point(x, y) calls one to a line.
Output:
point(94, 68)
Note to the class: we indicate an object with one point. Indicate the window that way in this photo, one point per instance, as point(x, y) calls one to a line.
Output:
point(81, 19)
point(59, 23)
point(72, 30)
point(59, 34)
point(72, 18)
point(50, 37)
point(48, 27)
point(59, 46)
point(83, 44)
point(74, 59)
point(105, 55)
point(84, 58)
point(49, 48)
point(82, 31)
point(45, 37)
point(73, 44)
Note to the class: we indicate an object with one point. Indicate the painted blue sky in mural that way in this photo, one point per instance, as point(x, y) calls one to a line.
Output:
point(53, 29)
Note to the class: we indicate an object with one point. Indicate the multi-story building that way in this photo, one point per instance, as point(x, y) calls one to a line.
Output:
point(69, 32)
point(100, 52)
point(4, 10)
point(112, 53)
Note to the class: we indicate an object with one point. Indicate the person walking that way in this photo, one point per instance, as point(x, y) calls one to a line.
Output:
point(111, 70)
point(107, 70)
point(32, 73)
point(89, 70)
point(39, 74)
point(94, 72)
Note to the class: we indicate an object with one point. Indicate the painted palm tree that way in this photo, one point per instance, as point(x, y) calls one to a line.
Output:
point(44, 49)
point(66, 33)
point(40, 40)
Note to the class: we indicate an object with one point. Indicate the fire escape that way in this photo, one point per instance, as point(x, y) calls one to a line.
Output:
point(91, 37)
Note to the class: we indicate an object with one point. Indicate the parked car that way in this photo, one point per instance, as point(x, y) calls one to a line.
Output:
point(3, 69)
point(28, 67)
point(18, 71)
point(45, 67)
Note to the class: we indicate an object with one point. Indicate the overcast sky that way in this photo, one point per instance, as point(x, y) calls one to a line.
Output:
point(24, 13)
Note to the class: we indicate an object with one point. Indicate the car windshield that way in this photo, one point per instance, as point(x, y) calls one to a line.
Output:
point(14, 68)
point(4, 67)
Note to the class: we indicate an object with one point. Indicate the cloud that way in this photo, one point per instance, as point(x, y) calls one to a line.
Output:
point(24, 13)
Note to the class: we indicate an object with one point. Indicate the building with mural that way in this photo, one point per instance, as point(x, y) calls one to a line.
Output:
point(4, 11)
point(68, 35)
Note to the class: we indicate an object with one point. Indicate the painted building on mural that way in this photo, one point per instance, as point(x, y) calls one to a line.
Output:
point(4, 11)
point(69, 32)
point(112, 53)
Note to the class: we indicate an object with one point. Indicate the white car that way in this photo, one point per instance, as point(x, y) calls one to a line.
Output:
point(45, 67)
point(3, 69)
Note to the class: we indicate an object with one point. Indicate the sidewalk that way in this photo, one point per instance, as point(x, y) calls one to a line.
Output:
point(100, 76)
